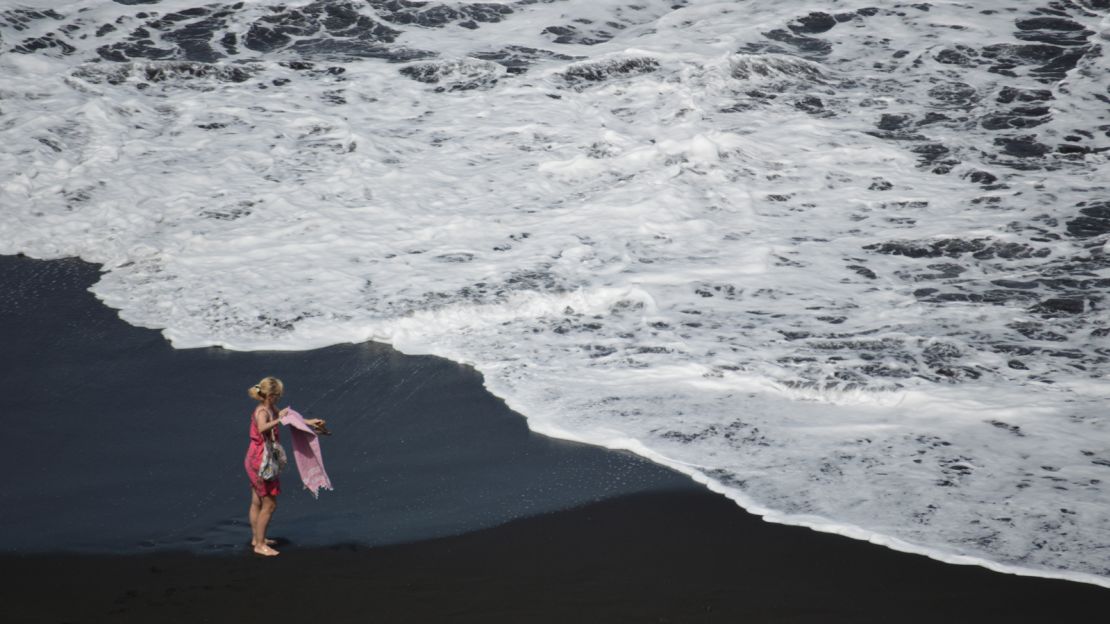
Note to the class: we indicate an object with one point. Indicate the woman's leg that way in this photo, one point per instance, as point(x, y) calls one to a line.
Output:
point(265, 512)
point(256, 507)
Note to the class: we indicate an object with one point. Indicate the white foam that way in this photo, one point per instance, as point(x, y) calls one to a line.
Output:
point(660, 262)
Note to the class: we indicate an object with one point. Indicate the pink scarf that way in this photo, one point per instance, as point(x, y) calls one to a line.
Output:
point(306, 450)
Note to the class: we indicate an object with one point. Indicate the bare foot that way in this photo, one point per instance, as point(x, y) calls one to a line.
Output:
point(265, 551)
point(269, 542)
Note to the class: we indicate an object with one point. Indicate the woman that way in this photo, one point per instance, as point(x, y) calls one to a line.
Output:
point(264, 424)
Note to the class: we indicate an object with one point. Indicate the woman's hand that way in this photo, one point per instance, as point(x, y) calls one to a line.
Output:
point(317, 425)
point(283, 412)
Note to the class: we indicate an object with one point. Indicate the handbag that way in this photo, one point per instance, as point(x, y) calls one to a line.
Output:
point(273, 460)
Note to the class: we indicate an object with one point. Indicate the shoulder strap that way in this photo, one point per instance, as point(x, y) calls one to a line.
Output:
point(273, 430)
point(273, 434)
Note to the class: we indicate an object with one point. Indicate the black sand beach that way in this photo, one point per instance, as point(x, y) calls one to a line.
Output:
point(126, 501)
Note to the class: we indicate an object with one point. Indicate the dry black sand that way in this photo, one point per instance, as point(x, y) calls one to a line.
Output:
point(653, 557)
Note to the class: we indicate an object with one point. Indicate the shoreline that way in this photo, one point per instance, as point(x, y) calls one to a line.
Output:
point(855, 532)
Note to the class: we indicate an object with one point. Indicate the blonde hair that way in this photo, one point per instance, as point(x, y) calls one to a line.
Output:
point(269, 386)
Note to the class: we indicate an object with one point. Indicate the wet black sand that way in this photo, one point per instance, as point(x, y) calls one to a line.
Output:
point(146, 442)
point(123, 446)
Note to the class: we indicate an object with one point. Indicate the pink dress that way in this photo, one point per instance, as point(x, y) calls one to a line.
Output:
point(254, 460)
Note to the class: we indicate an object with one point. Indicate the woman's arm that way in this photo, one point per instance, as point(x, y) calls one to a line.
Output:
point(261, 419)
